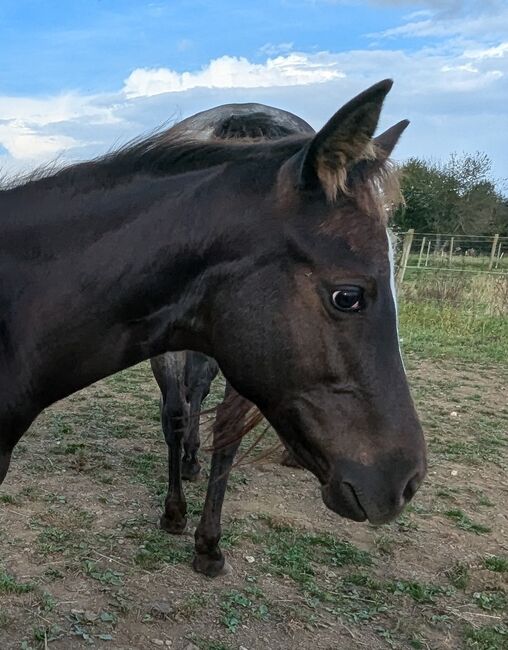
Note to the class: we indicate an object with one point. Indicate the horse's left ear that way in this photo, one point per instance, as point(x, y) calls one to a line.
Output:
point(345, 140)
point(387, 141)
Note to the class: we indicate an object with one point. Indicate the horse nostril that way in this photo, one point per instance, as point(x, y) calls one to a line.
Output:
point(411, 488)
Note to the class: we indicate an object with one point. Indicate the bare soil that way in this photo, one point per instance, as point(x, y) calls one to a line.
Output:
point(84, 564)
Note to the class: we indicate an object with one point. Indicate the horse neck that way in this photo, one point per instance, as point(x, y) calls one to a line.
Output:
point(119, 275)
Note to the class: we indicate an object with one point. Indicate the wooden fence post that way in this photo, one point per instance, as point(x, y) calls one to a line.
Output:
point(406, 249)
point(421, 251)
point(493, 251)
point(428, 254)
point(498, 254)
point(451, 253)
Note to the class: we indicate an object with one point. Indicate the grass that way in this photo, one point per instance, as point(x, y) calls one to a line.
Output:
point(159, 548)
point(455, 317)
point(463, 522)
point(496, 563)
point(440, 331)
point(294, 553)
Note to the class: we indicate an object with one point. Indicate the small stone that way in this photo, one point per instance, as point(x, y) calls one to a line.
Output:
point(454, 414)
point(161, 609)
point(454, 472)
point(242, 647)
point(250, 559)
point(158, 642)
point(169, 643)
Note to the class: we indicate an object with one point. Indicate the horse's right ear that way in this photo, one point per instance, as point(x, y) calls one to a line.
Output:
point(343, 141)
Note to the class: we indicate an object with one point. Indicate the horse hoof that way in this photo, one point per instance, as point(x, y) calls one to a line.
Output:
point(210, 568)
point(173, 526)
point(191, 471)
point(288, 460)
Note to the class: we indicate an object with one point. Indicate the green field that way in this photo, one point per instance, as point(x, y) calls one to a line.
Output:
point(83, 563)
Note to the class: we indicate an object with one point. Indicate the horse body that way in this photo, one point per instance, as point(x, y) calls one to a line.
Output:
point(270, 257)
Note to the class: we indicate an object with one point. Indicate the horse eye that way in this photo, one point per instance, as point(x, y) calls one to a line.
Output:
point(348, 298)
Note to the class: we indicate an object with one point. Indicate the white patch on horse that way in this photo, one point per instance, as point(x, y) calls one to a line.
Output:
point(394, 291)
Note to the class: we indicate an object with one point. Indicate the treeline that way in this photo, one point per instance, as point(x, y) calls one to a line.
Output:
point(458, 196)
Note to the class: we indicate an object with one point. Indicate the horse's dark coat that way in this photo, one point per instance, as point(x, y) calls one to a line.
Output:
point(236, 250)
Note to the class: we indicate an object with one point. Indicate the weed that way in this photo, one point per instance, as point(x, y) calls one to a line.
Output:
point(488, 637)
point(236, 604)
point(491, 600)
point(9, 585)
point(419, 592)
point(158, 549)
point(4, 619)
point(53, 540)
point(458, 575)
point(106, 577)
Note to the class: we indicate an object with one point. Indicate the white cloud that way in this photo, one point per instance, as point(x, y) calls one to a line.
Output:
point(488, 53)
point(234, 72)
point(272, 49)
point(24, 123)
point(455, 95)
point(477, 25)
point(22, 142)
point(50, 110)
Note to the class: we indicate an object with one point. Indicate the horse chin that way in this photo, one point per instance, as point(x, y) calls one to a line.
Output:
point(297, 457)
point(344, 502)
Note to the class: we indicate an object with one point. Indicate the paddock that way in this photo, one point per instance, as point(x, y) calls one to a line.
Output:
point(84, 564)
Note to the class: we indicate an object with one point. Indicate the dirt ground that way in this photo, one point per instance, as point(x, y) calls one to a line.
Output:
point(84, 564)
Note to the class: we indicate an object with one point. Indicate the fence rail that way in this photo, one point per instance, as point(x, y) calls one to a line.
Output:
point(451, 253)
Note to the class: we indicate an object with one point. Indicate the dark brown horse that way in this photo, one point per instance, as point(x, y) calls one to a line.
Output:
point(184, 378)
point(270, 257)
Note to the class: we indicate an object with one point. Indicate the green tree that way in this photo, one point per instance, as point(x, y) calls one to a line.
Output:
point(457, 197)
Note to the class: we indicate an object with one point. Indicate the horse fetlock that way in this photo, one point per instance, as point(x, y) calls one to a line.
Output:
point(211, 565)
point(191, 469)
point(289, 460)
point(174, 518)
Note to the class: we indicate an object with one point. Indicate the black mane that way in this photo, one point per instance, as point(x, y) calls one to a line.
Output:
point(166, 152)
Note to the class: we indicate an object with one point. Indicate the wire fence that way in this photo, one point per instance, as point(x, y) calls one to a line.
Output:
point(444, 270)
point(450, 253)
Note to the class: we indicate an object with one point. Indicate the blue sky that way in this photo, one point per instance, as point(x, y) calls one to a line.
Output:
point(79, 76)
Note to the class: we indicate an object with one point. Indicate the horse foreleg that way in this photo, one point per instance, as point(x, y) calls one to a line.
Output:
point(200, 372)
point(229, 424)
point(5, 459)
point(191, 467)
point(169, 372)
point(11, 431)
point(174, 419)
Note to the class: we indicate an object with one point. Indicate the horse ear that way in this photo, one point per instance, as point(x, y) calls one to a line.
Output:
point(343, 141)
point(387, 141)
